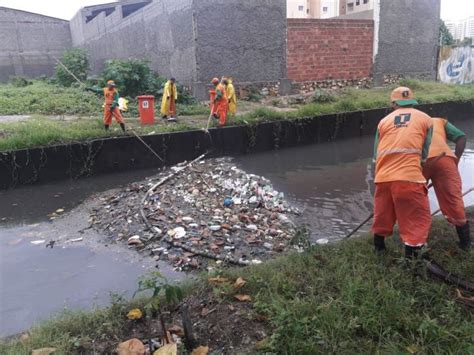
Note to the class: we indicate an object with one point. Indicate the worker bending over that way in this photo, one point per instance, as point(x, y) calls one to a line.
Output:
point(401, 144)
point(220, 104)
point(111, 104)
point(168, 102)
point(231, 96)
point(442, 168)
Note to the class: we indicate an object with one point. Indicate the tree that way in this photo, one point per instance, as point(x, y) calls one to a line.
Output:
point(446, 38)
point(77, 62)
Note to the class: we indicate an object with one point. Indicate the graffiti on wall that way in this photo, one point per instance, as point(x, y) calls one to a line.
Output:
point(456, 65)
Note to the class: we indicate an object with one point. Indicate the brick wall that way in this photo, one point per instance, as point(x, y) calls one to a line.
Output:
point(329, 49)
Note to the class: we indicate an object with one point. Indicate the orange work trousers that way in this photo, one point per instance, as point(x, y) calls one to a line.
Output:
point(108, 115)
point(444, 175)
point(220, 109)
point(407, 203)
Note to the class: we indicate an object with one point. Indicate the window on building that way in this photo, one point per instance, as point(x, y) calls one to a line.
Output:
point(301, 8)
point(325, 9)
point(357, 2)
point(366, 1)
point(350, 7)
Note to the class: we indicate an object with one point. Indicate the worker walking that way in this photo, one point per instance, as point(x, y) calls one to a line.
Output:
point(111, 104)
point(168, 102)
point(442, 168)
point(231, 96)
point(219, 102)
point(401, 145)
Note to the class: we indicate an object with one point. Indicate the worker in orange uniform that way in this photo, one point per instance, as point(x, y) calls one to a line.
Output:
point(168, 102)
point(220, 104)
point(231, 96)
point(111, 104)
point(401, 145)
point(442, 168)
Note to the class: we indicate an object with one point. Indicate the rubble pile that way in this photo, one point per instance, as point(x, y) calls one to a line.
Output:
point(211, 208)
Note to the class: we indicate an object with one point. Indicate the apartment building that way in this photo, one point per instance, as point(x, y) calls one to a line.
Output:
point(347, 7)
point(312, 8)
point(462, 29)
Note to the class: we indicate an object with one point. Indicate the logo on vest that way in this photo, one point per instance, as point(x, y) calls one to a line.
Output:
point(402, 120)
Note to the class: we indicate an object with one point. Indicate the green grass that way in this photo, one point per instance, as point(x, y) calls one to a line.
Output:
point(343, 299)
point(45, 99)
point(339, 299)
point(40, 131)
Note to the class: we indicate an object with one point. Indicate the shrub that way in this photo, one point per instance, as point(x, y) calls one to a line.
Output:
point(133, 77)
point(19, 81)
point(76, 61)
point(323, 97)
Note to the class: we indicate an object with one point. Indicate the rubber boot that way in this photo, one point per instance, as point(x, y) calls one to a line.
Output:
point(412, 252)
point(122, 125)
point(379, 243)
point(106, 126)
point(464, 234)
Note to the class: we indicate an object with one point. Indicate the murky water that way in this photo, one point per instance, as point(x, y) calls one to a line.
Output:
point(330, 183)
point(35, 281)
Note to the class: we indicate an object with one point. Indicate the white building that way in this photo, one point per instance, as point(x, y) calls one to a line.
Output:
point(347, 7)
point(461, 29)
point(312, 8)
point(297, 9)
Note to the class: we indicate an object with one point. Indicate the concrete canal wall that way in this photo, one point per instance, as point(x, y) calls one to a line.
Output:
point(40, 165)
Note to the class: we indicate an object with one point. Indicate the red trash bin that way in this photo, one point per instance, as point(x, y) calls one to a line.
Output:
point(146, 108)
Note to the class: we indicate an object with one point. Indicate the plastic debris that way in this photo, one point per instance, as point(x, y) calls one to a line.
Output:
point(212, 207)
point(322, 241)
point(135, 314)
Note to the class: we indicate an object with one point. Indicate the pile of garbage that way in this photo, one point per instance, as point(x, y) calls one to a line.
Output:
point(208, 210)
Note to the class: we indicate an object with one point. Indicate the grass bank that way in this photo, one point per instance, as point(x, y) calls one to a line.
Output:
point(44, 99)
point(339, 299)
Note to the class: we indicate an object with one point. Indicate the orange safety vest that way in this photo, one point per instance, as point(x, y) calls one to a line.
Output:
point(402, 135)
point(439, 141)
point(109, 96)
point(222, 89)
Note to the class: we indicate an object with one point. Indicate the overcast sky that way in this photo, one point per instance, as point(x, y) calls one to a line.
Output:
point(450, 9)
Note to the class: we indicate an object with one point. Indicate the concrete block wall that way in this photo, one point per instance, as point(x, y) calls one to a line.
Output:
point(408, 40)
point(329, 49)
point(29, 43)
point(192, 40)
point(245, 39)
point(161, 32)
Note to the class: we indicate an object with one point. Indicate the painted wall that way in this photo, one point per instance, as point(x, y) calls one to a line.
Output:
point(329, 49)
point(297, 8)
point(456, 65)
point(29, 42)
point(408, 39)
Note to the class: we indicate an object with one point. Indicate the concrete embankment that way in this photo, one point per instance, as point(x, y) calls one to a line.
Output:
point(110, 155)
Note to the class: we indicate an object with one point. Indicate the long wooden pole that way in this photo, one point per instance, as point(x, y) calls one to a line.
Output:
point(69, 72)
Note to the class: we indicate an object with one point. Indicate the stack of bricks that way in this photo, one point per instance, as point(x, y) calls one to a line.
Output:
point(329, 49)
